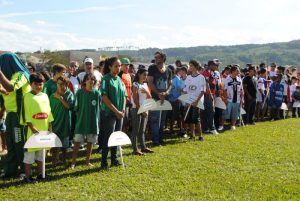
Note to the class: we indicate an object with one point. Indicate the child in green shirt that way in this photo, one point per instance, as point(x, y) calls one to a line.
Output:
point(87, 105)
point(38, 117)
point(50, 86)
point(61, 103)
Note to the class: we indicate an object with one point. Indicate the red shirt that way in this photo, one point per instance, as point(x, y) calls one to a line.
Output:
point(207, 73)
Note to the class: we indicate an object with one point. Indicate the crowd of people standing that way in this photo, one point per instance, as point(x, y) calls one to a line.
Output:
point(85, 108)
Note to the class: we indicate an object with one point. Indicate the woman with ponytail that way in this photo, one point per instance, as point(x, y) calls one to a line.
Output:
point(112, 110)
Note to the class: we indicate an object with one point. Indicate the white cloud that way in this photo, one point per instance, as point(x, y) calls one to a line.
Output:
point(153, 27)
point(40, 22)
point(5, 2)
point(70, 11)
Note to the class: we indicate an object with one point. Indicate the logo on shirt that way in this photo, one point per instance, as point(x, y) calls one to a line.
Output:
point(94, 102)
point(40, 115)
point(193, 87)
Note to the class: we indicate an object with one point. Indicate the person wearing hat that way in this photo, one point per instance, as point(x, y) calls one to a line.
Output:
point(88, 68)
point(211, 90)
point(14, 78)
point(126, 79)
point(250, 88)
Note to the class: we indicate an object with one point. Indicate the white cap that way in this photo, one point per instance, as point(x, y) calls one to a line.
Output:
point(88, 60)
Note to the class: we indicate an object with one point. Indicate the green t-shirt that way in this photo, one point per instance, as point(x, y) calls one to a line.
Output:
point(37, 111)
point(115, 90)
point(50, 87)
point(18, 80)
point(61, 125)
point(87, 105)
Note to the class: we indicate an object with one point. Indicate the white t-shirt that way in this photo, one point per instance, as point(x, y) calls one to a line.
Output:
point(194, 85)
point(75, 82)
point(233, 88)
point(260, 86)
point(142, 96)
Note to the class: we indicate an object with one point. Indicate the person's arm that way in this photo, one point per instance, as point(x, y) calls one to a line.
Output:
point(50, 127)
point(109, 104)
point(32, 128)
point(151, 85)
point(61, 99)
point(135, 96)
point(7, 85)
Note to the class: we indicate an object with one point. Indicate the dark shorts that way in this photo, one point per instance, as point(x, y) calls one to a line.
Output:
point(176, 110)
point(193, 116)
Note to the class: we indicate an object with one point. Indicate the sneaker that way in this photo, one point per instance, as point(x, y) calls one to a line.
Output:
point(185, 136)
point(214, 132)
point(147, 150)
point(40, 177)
point(206, 131)
point(115, 163)
point(104, 167)
point(29, 180)
point(201, 138)
point(232, 128)
point(221, 128)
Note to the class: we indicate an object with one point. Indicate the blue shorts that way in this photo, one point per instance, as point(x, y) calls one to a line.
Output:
point(232, 111)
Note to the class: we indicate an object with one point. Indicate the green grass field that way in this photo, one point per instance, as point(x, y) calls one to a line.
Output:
point(259, 162)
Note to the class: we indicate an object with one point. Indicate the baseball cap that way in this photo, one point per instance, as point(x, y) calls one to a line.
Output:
point(88, 60)
point(125, 61)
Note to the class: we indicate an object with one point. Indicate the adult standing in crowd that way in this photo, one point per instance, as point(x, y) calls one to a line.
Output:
point(250, 88)
point(89, 68)
point(160, 83)
point(14, 77)
point(211, 89)
point(112, 109)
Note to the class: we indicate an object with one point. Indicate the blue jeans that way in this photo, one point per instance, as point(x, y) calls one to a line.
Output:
point(209, 113)
point(156, 130)
point(109, 124)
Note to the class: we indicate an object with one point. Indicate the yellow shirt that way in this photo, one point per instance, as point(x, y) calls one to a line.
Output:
point(19, 81)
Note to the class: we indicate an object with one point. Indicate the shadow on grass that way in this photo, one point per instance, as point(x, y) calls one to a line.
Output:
point(16, 183)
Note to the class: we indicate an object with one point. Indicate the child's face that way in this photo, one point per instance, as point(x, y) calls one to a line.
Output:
point(62, 87)
point(143, 76)
point(37, 87)
point(90, 82)
point(116, 67)
point(61, 73)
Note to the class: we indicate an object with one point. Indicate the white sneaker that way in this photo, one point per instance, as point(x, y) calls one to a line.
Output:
point(232, 128)
point(214, 132)
point(221, 128)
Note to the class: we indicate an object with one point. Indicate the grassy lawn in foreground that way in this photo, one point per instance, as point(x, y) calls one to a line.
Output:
point(251, 163)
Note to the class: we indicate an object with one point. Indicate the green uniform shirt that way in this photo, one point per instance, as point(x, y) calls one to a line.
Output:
point(18, 80)
point(38, 112)
point(115, 90)
point(87, 105)
point(61, 125)
point(50, 87)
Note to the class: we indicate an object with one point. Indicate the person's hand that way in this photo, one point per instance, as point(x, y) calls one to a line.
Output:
point(120, 115)
point(35, 131)
point(145, 114)
point(162, 97)
point(56, 95)
point(195, 103)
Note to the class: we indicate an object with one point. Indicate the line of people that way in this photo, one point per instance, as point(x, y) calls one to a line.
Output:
point(90, 105)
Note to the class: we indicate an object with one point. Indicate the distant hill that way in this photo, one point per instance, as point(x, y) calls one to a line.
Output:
point(285, 53)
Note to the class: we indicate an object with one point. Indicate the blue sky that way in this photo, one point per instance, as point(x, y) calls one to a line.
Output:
point(30, 25)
